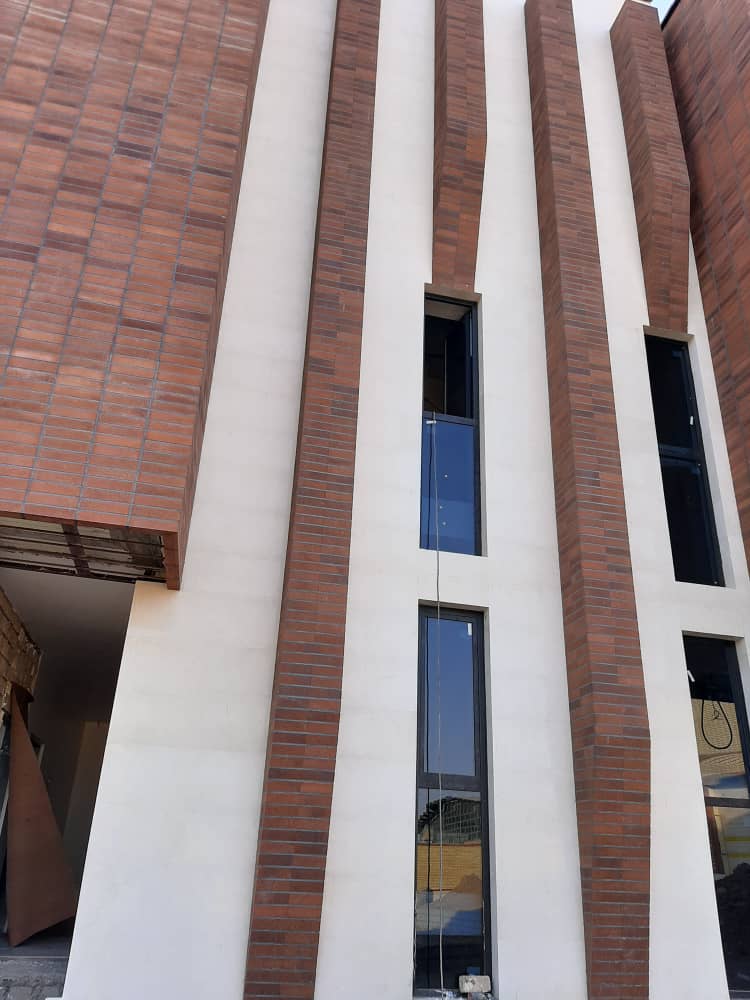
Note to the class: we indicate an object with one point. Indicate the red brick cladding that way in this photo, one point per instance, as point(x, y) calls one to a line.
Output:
point(707, 51)
point(305, 707)
point(124, 124)
point(661, 190)
point(611, 746)
point(460, 141)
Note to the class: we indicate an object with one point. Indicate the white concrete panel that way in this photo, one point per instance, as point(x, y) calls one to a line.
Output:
point(537, 886)
point(368, 910)
point(165, 904)
point(686, 956)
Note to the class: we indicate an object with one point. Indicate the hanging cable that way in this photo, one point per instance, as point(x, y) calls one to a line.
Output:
point(717, 704)
point(439, 703)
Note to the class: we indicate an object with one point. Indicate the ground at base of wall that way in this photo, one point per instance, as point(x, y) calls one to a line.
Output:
point(41, 990)
point(32, 978)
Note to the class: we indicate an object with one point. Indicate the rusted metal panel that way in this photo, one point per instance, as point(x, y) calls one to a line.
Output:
point(40, 890)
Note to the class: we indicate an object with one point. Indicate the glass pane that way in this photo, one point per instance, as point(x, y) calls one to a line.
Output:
point(448, 907)
point(717, 730)
point(690, 518)
point(447, 365)
point(720, 723)
point(729, 835)
point(668, 368)
point(719, 750)
point(449, 503)
point(448, 697)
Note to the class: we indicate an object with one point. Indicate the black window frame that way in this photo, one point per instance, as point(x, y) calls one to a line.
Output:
point(692, 457)
point(458, 782)
point(472, 395)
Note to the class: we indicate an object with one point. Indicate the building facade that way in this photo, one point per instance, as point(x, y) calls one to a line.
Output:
point(375, 486)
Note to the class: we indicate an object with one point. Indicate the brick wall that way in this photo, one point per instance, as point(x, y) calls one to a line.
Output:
point(658, 173)
point(124, 124)
point(305, 708)
point(608, 716)
point(706, 44)
point(460, 141)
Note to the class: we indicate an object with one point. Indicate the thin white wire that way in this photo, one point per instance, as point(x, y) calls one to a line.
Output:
point(439, 702)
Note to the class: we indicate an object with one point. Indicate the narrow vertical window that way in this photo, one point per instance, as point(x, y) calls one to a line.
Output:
point(721, 732)
point(450, 518)
point(692, 529)
point(451, 905)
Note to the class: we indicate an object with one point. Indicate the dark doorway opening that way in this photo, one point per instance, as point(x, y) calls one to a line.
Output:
point(78, 626)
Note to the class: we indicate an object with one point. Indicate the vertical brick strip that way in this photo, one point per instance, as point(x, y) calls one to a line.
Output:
point(460, 141)
point(608, 716)
point(658, 172)
point(305, 707)
point(707, 52)
point(124, 129)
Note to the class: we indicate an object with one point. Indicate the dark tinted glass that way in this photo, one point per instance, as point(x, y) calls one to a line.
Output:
point(716, 719)
point(448, 697)
point(449, 888)
point(691, 526)
point(447, 366)
point(449, 470)
point(671, 392)
point(729, 836)
point(721, 736)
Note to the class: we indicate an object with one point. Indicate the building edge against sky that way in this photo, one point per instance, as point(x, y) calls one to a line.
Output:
point(319, 211)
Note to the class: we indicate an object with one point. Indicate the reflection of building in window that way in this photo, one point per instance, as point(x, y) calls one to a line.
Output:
point(451, 919)
point(461, 820)
point(721, 734)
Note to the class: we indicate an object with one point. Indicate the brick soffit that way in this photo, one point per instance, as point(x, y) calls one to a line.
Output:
point(306, 699)
point(609, 723)
point(124, 135)
point(658, 172)
point(460, 141)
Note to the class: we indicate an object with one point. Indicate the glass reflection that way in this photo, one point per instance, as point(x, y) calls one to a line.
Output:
point(720, 754)
point(448, 486)
point(448, 887)
point(448, 697)
point(668, 369)
point(720, 722)
point(729, 835)
point(690, 522)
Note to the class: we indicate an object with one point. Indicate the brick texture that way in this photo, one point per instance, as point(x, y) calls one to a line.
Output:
point(460, 141)
point(658, 172)
point(124, 124)
point(609, 723)
point(305, 706)
point(707, 51)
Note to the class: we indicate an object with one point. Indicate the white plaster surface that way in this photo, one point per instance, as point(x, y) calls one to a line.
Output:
point(686, 956)
point(165, 903)
point(369, 906)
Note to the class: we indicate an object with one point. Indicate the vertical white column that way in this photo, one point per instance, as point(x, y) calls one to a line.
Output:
point(537, 906)
point(165, 905)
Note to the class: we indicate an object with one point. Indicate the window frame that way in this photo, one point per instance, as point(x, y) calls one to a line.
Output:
point(472, 321)
point(458, 782)
point(693, 456)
